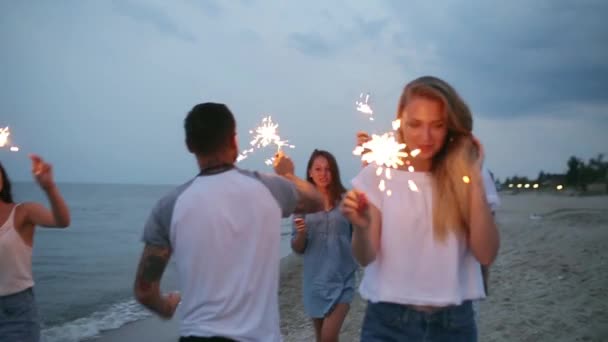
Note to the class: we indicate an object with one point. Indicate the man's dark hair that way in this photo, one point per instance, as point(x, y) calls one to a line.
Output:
point(209, 128)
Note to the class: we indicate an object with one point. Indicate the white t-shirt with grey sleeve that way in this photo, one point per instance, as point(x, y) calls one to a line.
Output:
point(224, 231)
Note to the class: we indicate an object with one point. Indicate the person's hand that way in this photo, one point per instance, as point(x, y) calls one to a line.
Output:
point(170, 303)
point(42, 172)
point(362, 138)
point(300, 225)
point(282, 164)
point(355, 208)
point(481, 154)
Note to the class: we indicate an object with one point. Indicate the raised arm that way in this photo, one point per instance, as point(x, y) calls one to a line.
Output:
point(484, 239)
point(151, 267)
point(36, 213)
point(309, 199)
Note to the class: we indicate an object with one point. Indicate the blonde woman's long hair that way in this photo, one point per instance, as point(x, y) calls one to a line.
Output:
point(451, 202)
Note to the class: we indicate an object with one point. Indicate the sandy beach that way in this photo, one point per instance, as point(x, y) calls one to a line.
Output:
point(549, 283)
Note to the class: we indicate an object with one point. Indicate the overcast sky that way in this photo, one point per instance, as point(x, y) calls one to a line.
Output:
point(101, 88)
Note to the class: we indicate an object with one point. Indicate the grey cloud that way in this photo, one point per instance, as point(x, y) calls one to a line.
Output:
point(311, 44)
point(518, 56)
point(332, 42)
point(152, 16)
point(209, 7)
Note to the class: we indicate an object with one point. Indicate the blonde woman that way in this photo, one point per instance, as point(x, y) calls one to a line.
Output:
point(423, 245)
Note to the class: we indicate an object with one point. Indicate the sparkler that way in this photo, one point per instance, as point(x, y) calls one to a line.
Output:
point(4, 133)
point(263, 135)
point(364, 107)
point(386, 153)
point(4, 141)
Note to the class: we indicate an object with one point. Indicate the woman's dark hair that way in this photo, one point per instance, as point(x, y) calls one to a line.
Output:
point(5, 194)
point(336, 189)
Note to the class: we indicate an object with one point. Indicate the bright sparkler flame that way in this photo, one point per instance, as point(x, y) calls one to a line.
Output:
point(412, 185)
point(384, 150)
point(263, 135)
point(364, 107)
point(4, 133)
point(4, 141)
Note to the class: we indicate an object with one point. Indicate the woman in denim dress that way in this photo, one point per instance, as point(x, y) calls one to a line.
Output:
point(324, 241)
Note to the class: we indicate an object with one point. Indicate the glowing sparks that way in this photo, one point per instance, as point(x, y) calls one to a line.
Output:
point(265, 134)
point(466, 179)
point(4, 133)
point(396, 124)
point(382, 185)
point(383, 150)
point(364, 107)
point(386, 153)
point(4, 141)
point(412, 185)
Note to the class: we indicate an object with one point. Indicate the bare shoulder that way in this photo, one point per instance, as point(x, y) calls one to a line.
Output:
point(22, 215)
point(30, 207)
point(25, 210)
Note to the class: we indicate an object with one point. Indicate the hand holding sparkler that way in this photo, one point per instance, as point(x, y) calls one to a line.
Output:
point(283, 165)
point(42, 171)
point(362, 138)
point(355, 208)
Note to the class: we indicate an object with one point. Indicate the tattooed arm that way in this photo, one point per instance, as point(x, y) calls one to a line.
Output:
point(152, 265)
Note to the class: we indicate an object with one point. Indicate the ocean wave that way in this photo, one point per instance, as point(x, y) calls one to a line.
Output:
point(91, 326)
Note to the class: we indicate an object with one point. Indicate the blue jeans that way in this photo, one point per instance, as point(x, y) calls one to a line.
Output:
point(385, 322)
point(19, 317)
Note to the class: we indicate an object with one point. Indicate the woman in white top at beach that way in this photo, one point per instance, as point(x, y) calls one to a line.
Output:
point(422, 246)
point(18, 312)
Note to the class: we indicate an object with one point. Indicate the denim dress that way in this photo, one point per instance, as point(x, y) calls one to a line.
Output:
point(329, 266)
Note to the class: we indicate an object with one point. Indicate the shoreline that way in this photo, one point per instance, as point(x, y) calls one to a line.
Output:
point(549, 282)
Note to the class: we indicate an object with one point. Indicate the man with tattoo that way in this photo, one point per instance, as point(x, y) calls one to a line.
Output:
point(223, 230)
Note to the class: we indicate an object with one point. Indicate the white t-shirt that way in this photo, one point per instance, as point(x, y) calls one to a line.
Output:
point(411, 266)
point(224, 231)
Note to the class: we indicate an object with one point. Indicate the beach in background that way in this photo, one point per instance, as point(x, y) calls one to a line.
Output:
point(549, 283)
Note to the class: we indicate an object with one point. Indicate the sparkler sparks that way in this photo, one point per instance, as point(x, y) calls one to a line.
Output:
point(4, 141)
point(364, 107)
point(4, 133)
point(386, 153)
point(263, 135)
